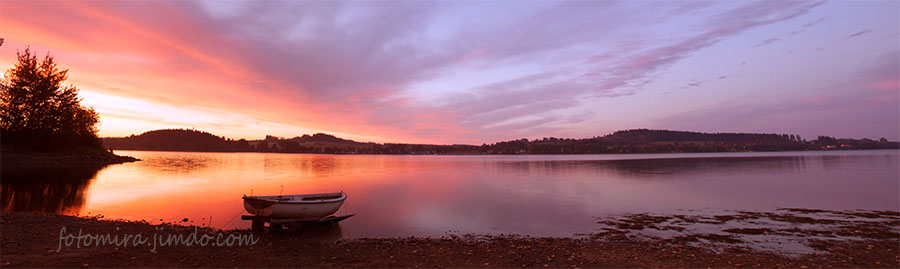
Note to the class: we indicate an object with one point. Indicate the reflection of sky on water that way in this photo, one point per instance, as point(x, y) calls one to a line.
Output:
point(534, 195)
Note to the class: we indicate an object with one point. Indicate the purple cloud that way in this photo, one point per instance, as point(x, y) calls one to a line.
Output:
point(376, 62)
point(767, 41)
point(860, 33)
point(832, 110)
point(810, 24)
point(359, 67)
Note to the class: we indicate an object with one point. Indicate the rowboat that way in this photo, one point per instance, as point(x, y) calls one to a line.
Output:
point(299, 207)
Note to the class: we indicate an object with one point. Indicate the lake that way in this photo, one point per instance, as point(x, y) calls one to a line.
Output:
point(536, 195)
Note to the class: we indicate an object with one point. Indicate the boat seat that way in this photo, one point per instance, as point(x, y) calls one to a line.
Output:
point(321, 197)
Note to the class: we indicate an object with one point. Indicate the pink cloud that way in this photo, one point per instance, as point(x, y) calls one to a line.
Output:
point(885, 85)
point(339, 73)
point(817, 99)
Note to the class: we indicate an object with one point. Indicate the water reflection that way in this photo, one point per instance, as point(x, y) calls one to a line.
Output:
point(555, 195)
point(177, 163)
point(659, 168)
point(48, 189)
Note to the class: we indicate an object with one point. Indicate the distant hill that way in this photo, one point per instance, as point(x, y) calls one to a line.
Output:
point(628, 141)
point(193, 140)
point(170, 140)
point(320, 137)
point(639, 136)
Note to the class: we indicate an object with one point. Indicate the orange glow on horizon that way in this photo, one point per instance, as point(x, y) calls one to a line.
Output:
point(137, 82)
point(371, 73)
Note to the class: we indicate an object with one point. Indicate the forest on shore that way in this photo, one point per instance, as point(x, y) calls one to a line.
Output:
point(627, 141)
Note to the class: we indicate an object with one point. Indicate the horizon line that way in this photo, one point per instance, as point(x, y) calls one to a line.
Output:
point(529, 139)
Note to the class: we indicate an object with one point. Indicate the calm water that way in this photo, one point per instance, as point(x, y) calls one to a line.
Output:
point(558, 195)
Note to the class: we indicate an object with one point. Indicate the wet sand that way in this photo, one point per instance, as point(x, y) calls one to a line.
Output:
point(868, 240)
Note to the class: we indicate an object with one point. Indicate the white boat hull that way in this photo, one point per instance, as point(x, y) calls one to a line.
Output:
point(295, 207)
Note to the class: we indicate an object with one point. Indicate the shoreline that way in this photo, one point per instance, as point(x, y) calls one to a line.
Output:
point(522, 154)
point(12, 160)
point(32, 240)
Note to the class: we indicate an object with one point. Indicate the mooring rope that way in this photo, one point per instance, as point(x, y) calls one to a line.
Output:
point(232, 218)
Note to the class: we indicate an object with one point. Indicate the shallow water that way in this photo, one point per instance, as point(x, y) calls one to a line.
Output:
point(536, 195)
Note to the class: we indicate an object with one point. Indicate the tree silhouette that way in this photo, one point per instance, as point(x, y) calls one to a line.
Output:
point(38, 113)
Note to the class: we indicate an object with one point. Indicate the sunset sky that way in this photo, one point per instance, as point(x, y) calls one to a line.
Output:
point(473, 71)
